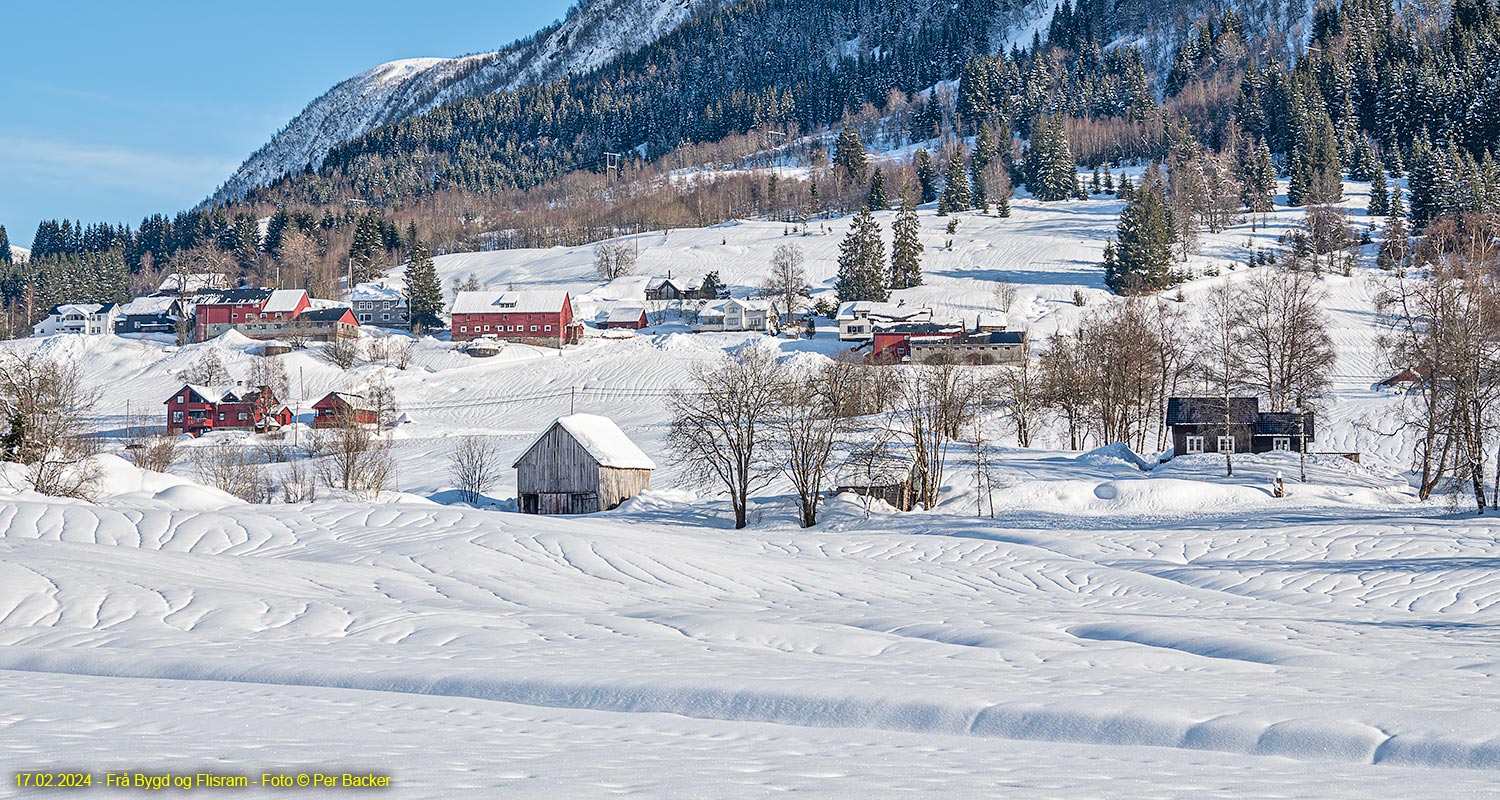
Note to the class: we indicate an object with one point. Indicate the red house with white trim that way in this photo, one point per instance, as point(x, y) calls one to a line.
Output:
point(533, 317)
point(196, 409)
point(341, 408)
point(253, 312)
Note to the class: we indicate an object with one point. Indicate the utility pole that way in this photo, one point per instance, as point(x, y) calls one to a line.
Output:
point(572, 400)
point(611, 163)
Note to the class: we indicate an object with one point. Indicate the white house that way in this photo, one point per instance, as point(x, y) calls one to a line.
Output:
point(380, 305)
point(858, 319)
point(93, 319)
point(191, 283)
point(737, 315)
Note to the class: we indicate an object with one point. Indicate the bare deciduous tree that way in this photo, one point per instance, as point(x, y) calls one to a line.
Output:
point(809, 426)
point(938, 401)
point(269, 372)
point(150, 446)
point(233, 469)
point(342, 353)
point(787, 281)
point(44, 407)
point(613, 260)
point(207, 370)
point(1220, 356)
point(1005, 295)
point(717, 424)
point(475, 467)
point(353, 457)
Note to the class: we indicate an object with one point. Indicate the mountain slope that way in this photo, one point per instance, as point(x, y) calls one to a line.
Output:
point(593, 34)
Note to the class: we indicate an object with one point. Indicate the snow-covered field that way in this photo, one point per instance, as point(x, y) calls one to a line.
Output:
point(1109, 633)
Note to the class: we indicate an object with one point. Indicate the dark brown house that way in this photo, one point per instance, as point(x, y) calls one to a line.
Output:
point(581, 464)
point(882, 475)
point(1198, 426)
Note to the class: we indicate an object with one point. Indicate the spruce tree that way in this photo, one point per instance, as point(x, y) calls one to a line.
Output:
point(877, 200)
point(1049, 165)
point(1317, 172)
point(861, 274)
point(5, 254)
point(956, 195)
point(906, 249)
point(926, 175)
point(424, 292)
point(985, 153)
point(1141, 260)
point(849, 154)
point(1257, 179)
point(367, 251)
point(1380, 202)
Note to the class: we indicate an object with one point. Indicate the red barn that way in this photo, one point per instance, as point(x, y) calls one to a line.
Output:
point(257, 313)
point(893, 343)
point(197, 409)
point(340, 407)
point(534, 317)
point(632, 317)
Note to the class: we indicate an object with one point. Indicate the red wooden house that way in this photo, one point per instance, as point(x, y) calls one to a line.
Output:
point(893, 343)
point(632, 317)
point(340, 408)
point(254, 312)
point(533, 317)
point(196, 410)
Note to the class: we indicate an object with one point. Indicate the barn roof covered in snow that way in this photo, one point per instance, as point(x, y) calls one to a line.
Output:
point(601, 437)
point(499, 302)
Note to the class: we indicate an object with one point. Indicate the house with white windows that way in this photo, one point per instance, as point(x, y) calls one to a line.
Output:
point(1201, 425)
point(737, 314)
point(859, 319)
point(380, 305)
point(90, 319)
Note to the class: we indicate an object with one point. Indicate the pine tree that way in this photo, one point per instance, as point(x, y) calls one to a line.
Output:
point(906, 249)
point(926, 175)
point(424, 290)
point(877, 200)
point(367, 252)
point(1398, 208)
point(5, 254)
point(1257, 179)
point(1380, 202)
point(985, 154)
point(956, 195)
point(1140, 262)
point(861, 274)
point(1317, 171)
point(1049, 165)
point(1109, 180)
point(849, 154)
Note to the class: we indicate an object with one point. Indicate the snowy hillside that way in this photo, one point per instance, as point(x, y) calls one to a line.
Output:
point(594, 34)
point(19, 253)
point(1110, 632)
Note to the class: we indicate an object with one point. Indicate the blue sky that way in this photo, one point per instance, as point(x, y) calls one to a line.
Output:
point(110, 111)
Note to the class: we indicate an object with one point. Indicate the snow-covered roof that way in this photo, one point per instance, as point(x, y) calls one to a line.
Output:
point(603, 440)
point(148, 305)
point(81, 309)
point(220, 394)
point(625, 314)
point(284, 301)
point(860, 309)
point(489, 302)
point(367, 292)
point(753, 304)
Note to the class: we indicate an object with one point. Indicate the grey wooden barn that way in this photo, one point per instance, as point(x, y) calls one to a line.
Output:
point(581, 464)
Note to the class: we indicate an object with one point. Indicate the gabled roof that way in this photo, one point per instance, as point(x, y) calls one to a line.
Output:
point(867, 468)
point(997, 337)
point(220, 394)
point(1210, 410)
point(194, 281)
point(601, 437)
point(142, 306)
point(858, 309)
point(919, 328)
point(527, 302)
point(1284, 424)
point(354, 401)
point(366, 292)
point(283, 301)
point(327, 314)
point(234, 297)
point(81, 309)
point(625, 314)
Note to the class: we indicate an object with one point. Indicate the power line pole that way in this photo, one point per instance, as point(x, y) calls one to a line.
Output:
point(611, 164)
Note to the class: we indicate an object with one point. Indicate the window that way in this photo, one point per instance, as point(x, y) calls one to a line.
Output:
point(182, 398)
point(549, 328)
point(385, 317)
point(463, 329)
point(244, 416)
point(221, 416)
point(1281, 443)
point(533, 329)
point(1194, 444)
point(176, 416)
point(1226, 444)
